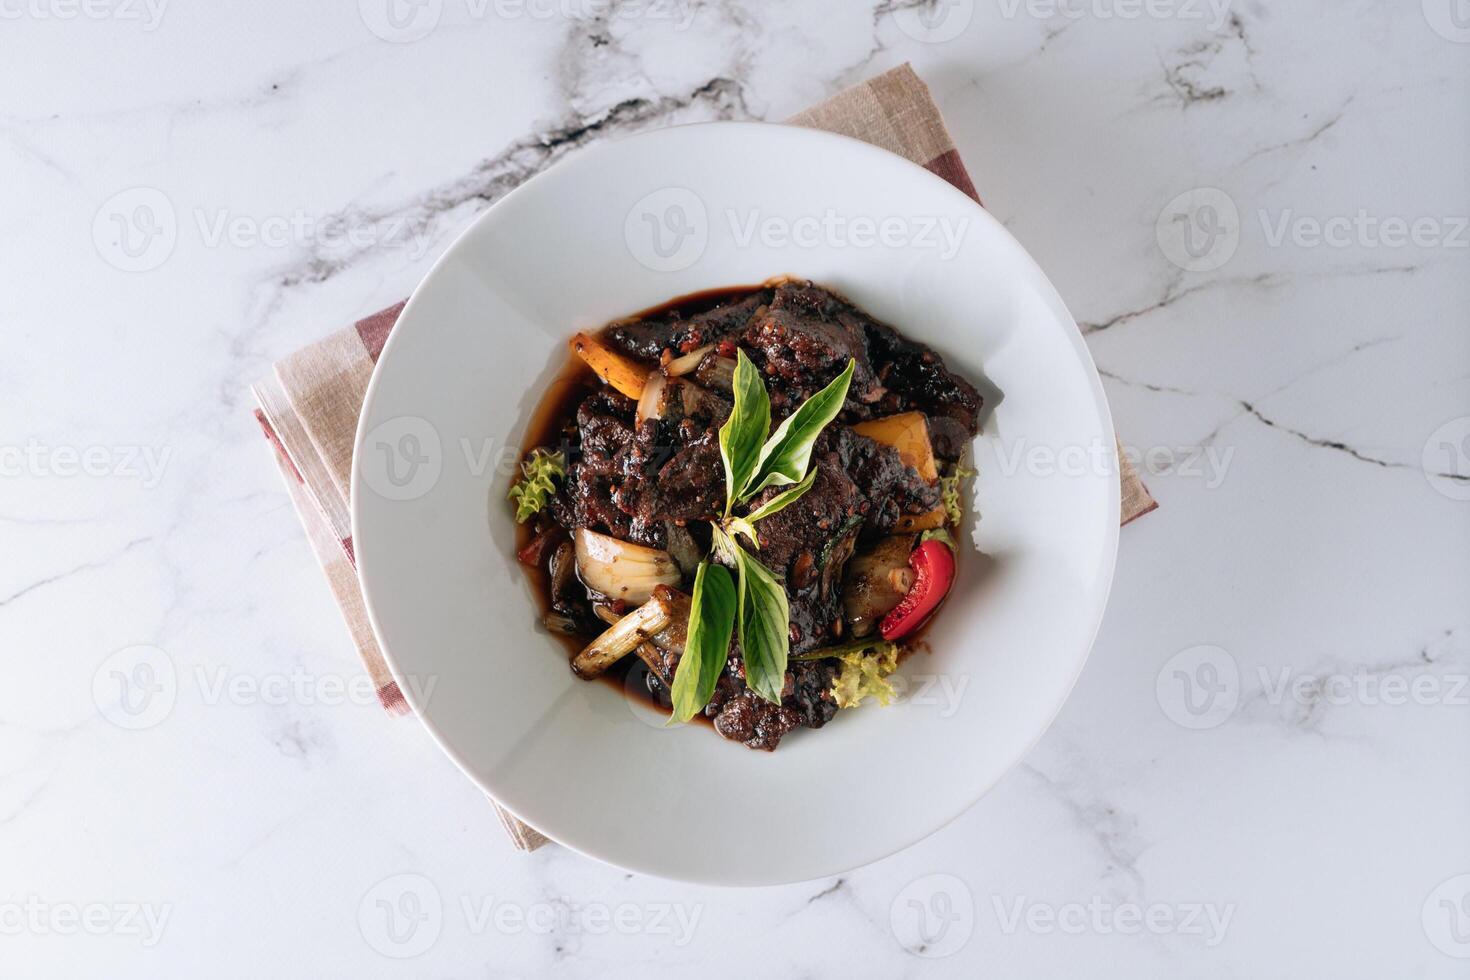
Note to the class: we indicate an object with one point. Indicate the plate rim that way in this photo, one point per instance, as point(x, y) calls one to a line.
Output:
point(963, 201)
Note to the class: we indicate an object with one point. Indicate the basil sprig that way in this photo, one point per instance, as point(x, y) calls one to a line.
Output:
point(756, 602)
point(754, 461)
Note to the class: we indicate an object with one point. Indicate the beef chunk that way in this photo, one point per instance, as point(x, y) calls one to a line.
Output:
point(645, 339)
point(689, 486)
point(741, 715)
point(729, 319)
point(649, 338)
point(803, 341)
point(595, 451)
point(630, 482)
point(805, 338)
point(892, 487)
point(914, 377)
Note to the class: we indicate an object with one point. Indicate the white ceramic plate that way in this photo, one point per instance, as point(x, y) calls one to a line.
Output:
point(456, 386)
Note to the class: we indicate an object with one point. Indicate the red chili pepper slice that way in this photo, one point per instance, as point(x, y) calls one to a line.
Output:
point(933, 565)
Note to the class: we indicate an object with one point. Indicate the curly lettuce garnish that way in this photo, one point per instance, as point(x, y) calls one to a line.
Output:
point(949, 491)
point(864, 674)
point(537, 483)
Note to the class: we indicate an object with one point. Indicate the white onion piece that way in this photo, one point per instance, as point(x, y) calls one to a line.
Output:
point(651, 403)
point(685, 363)
point(622, 570)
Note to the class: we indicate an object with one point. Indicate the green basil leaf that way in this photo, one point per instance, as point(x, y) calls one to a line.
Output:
point(744, 431)
point(783, 499)
point(764, 621)
point(785, 456)
point(707, 645)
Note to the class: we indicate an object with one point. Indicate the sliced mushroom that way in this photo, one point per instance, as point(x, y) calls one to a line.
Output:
point(716, 372)
point(682, 547)
point(873, 583)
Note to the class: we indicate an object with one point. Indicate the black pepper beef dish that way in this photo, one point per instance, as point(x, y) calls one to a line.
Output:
point(749, 498)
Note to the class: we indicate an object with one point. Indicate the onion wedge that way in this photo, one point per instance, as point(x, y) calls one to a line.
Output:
point(621, 569)
point(624, 636)
point(652, 403)
point(680, 366)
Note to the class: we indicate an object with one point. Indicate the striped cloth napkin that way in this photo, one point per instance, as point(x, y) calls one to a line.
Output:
point(309, 406)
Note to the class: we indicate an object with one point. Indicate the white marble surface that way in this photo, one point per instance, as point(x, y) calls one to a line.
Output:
point(1299, 386)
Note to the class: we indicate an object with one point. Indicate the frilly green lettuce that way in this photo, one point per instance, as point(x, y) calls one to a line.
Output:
point(864, 674)
point(539, 474)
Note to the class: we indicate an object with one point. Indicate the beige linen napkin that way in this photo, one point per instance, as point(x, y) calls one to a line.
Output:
point(309, 407)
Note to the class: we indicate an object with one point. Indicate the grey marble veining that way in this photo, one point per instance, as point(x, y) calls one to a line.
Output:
point(1261, 771)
